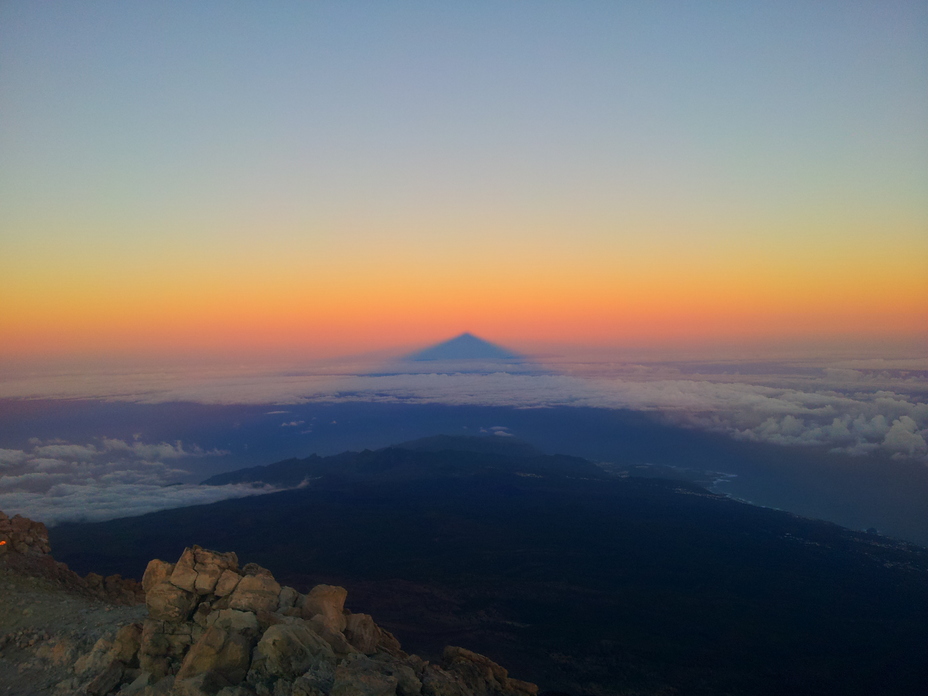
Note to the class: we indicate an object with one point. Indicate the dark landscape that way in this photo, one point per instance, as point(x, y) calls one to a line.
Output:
point(582, 581)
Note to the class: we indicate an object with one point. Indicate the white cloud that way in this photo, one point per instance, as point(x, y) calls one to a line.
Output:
point(903, 438)
point(78, 452)
point(63, 481)
point(68, 502)
point(852, 406)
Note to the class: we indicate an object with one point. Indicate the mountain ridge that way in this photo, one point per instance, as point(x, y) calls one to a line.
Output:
point(415, 459)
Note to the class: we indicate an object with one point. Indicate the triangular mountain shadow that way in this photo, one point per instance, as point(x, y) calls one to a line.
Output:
point(464, 354)
point(464, 347)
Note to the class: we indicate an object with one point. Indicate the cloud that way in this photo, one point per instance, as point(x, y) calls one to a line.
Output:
point(96, 481)
point(852, 406)
point(11, 457)
point(904, 439)
point(68, 502)
point(78, 452)
point(162, 450)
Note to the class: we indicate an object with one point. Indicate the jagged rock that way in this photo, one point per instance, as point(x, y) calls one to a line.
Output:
point(107, 680)
point(234, 620)
point(389, 644)
point(255, 593)
point(439, 682)
point(483, 676)
point(226, 583)
point(255, 569)
point(168, 602)
point(137, 685)
point(327, 601)
point(126, 644)
point(224, 655)
point(210, 566)
point(184, 576)
point(162, 687)
point(288, 598)
point(405, 671)
point(361, 676)
point(156, 572)
point(244, 691)
point(23, 536)
point(96, 660)
point(241, 634)
point(163, 646)
point(290, 650)
point(362, 633)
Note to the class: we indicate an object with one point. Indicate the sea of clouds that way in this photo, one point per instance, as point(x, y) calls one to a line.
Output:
point(60, 482)
point(852, 407)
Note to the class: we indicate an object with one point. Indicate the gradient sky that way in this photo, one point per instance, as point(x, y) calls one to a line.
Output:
point(352, 176)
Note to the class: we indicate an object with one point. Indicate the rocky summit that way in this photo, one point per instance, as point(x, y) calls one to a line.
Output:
point(208, 627)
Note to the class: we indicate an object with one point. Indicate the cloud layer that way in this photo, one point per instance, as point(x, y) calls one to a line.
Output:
point(59, 481)
point(851, 406)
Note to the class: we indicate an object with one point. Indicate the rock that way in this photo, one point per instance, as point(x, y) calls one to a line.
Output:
point(126, 644)
point(168, 602)
point(96, 660)
point(210, 566)
point(361, 676)
point(327, 601)
point(288, 598)
point(227, 582)
point(255, 569)
point(289, 651)
point(335, 639)
point(235, 621)
point(156, 572)
point(207, 577)
point(244, 691)
point(389, 644)
point(517, 686)
point(201, 615)
point(225, 655)
point(205, 684)
point(23, 536)
point(213, 630)
point(120, 590)
point(481, 675)
point(163, 646)
point(107, 680)
point(255, 593)
point(184, 576)
point(162, 687)
point(362, 633)
point(138, 685)
point(406, 673)
point(439, 682)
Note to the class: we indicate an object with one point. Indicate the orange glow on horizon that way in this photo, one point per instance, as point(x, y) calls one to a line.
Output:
point(375, 302)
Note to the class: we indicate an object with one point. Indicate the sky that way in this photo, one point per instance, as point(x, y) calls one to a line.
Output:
point(329, 178)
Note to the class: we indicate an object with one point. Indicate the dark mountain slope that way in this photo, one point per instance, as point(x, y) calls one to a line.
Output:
point(442, 456)
point(589, 585)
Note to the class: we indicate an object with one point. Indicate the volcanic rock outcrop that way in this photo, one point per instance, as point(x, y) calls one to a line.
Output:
point(24, 546)
point(215, 628)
